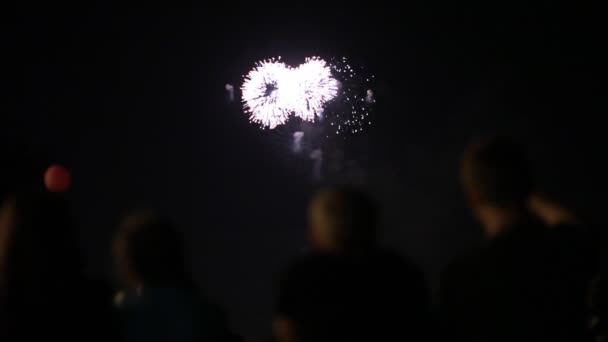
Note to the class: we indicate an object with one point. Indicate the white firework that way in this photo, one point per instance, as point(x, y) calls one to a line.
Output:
point(272, 91)
point(317, 86)
point(261, 96)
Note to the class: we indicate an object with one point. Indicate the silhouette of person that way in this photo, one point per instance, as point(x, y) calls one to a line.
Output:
point(527, 282)
point(348, 288)
point(159, 301)
point(43, 289)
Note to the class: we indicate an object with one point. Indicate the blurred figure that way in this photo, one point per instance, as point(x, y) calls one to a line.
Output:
point(43, 290)
point(348, 289)
point(527, 282)
point(159, 301)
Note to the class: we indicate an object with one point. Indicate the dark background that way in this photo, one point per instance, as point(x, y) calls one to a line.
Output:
point(132, 100)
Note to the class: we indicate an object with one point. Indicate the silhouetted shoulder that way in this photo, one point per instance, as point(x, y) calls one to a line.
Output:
point(575, 237)
point(309, 268)
point(361, 297)
point(163, 314)
point(496, 291)
point(394, 261)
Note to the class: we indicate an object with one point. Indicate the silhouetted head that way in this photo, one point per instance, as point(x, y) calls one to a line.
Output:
point(38, 247)
point(498, 183)
point(148, 251)
point(342, 220)
point(496, 172)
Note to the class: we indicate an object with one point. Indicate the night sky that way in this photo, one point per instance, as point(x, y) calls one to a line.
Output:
point(133, 102)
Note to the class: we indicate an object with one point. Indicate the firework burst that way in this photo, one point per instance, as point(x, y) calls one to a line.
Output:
point(260, 94)
point(273, 91)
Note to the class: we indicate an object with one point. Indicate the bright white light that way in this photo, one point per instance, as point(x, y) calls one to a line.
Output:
point(272, 91)
point(260, 94)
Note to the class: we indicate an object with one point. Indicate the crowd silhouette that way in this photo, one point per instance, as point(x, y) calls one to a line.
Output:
point(536, 277)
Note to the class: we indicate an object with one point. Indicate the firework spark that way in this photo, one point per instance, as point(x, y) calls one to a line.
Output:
point(272, 91)
point(351, 111)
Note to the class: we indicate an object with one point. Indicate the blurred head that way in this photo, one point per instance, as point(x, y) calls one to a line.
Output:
point(496, 172)
point(148, 251)
point(342, 219)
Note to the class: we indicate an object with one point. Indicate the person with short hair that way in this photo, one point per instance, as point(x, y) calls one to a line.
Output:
point(348, 288)
point(528, 281)
point(159, 301)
